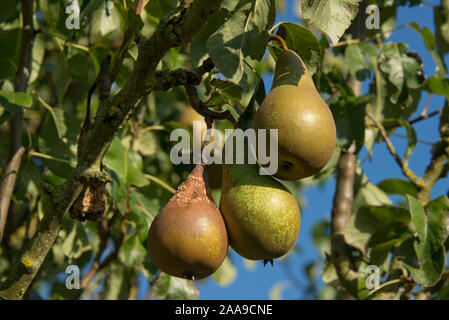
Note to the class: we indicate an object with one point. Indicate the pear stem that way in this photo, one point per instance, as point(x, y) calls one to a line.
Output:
point(280, 40)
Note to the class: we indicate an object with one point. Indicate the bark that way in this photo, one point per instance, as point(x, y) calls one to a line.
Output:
point(344, 193)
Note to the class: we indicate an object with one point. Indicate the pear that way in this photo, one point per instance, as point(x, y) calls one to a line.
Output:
point(262, 217)
point(306, 127)
point(188, 237)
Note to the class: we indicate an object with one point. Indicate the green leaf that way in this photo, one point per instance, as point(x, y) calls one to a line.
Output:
point(398, 186)
point(37, 57)
point(146, 143)
point(370, 219)
point(303, 42)
point(332, 17)
point(50, 143)
point(321, 236)
point(198, 47)
point(412, 139)
point(181, 289)
point(441, 17)
point(159, 8)
point(161, 286)
point(349, 116)
point(132, 253)
point(226, 274)
point(277, 289)
point(61, 77)
point(106, 21)
point(438, 86)
point(75, 241)
point(175, 288)
point(117, 283)
point(367, 193)
point(356, 62)
point(329, 273)
point(246, 118)
point(58, 119)
point(430, 225)
point(227, 89)
point(383, 103)
point(243, 34)
point(15, 101)
point(429, 40)
point(125, 163)
point(404, 69)
point(8, 52)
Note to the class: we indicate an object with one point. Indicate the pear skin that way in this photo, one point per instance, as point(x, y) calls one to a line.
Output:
point(262, 217)
point(188, 237)
point(306, 127)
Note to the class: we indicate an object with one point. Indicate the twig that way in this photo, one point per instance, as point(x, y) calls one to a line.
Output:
point(96, 266)
point(390, 125)
point(405, 170)
point(426, 107)
point(46, 156)
point(280, 40)
point(344, 43)
point(160, 182)
point(440, 155)
point(427, 116)
point(16, 150)
point(165, 80)
point(152, 286)
point(203, 109)
point(140, 5)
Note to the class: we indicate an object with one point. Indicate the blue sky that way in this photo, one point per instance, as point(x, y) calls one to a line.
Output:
point(256, 284)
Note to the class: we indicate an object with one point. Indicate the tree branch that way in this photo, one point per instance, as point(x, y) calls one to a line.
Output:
point(175, 29)
point(15, 137)
point(203, 109)
point(405, 170)
point(344, 194)
point(165, 80)
point(440, 155)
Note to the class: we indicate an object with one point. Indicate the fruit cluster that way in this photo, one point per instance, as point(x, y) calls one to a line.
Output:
point(258, 217)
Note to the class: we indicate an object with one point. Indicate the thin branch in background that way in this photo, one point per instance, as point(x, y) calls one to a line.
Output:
point(426, 107)
point(160, 182)
point(140, 5)
point(165, 80)
point(153, 282)
point(16, 149)
point(421, 117)
point(427, 116)
point(96, 266)
point(418, 141)
point(440, 155)
point(405, 170)
point(33, 153)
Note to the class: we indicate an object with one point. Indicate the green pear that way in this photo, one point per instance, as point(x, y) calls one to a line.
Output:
point(306, 127)
point(262, 217)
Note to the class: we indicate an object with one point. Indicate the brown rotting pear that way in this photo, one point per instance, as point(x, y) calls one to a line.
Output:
point(188, 237)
